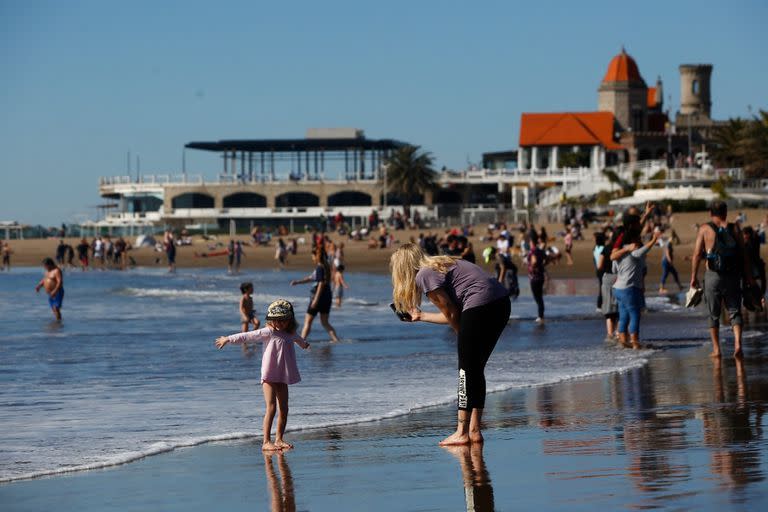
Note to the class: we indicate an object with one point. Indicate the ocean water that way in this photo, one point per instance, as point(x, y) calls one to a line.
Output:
point(132, 370)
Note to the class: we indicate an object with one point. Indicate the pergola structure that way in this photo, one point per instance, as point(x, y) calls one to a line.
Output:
point(347, 158)
point(11, 227)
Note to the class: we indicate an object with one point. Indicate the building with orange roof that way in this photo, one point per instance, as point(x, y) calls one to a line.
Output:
point(630, 123)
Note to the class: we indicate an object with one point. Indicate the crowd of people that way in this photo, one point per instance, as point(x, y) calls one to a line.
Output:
point(100, 253)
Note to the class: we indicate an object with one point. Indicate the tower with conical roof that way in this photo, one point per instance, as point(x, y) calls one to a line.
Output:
point(624, 93)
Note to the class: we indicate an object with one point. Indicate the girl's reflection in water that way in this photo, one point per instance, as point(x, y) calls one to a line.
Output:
point(280, 490)
point(478, 491)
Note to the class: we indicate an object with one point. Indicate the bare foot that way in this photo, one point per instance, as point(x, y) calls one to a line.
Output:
point(662, 291)
point(282, 445)
point(637, 346)
point(738, 353)
point(455, 439)
point(269, 446)
point(714, 354)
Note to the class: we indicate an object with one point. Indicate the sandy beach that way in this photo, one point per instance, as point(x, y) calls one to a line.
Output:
point(681, 433)
point(359, 258)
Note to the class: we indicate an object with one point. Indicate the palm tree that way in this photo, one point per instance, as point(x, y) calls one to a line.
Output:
point(756, 146)
point(410, 173)
point(743, 143)
point(729, 143)
point(627, 187)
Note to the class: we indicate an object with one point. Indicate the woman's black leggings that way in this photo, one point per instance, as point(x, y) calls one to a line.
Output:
point(537, 289)
point(479, 330)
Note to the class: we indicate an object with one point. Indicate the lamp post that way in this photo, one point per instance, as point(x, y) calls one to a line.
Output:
point(385, 166)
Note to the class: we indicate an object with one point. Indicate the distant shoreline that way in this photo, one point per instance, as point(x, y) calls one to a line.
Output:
point(358, 258)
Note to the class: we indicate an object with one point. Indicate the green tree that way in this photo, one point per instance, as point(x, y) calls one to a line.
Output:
point(410, 173)
point(743, 143)
point(728, 150)
point(756, 146)
point(627, 187)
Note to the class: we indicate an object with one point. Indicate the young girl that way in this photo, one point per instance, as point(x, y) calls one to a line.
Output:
point(278, 366)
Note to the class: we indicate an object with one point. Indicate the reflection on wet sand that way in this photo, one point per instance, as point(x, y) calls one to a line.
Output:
point(652, 417)
point(732, 424)
point(280, 489)
point(478, 492)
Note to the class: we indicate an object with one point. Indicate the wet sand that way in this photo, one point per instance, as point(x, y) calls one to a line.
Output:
point(683, 432)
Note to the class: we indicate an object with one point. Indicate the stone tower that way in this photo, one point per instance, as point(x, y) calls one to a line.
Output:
point(695, 98)
point(624, 93)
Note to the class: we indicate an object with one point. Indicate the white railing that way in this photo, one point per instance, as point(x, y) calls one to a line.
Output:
point(152, 179)
point(305, 212)
point(517, 175)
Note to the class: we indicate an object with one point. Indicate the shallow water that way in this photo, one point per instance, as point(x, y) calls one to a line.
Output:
point(132, 370)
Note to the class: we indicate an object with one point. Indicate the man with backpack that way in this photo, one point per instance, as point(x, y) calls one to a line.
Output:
point(721, 244)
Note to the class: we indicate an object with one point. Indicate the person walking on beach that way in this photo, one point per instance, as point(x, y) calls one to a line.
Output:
point(278, 367)
point(170, 251)
point(473, 303)
point(668, 264)
point(230, 256)
point(98, 252)
point(53, 282)
point(721, 244)
point(629, 267)
point(537, 274)
point(238, 255)
point(281, 253)
point(6, 253)
point(568, 239)
point(321, 297)
point(597, 251)
point(82, 253)
point(752, 246)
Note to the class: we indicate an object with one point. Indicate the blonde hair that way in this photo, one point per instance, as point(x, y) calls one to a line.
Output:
point(404, 264)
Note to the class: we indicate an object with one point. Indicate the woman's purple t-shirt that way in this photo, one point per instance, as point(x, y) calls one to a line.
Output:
point(466, 284)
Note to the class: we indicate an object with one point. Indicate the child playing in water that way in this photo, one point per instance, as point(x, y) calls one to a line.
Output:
point(339, 284)
point(278, 366)
point(247, 313)
point(53, 282)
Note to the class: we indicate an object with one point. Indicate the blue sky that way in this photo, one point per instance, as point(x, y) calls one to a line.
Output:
point(84, 82)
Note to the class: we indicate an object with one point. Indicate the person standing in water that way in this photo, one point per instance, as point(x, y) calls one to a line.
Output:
point(322, 297)
point(278, 367)
point(537, 274)
point(6, 252)
point(339, 284)
point(473, 303)
point(53, 282)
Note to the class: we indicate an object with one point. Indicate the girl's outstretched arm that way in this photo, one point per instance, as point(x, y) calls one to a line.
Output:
point(244, 337)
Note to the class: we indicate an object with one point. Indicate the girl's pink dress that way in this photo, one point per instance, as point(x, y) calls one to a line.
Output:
point(278, 362)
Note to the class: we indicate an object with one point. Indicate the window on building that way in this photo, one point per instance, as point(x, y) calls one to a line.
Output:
point(695, 87)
